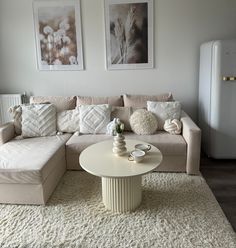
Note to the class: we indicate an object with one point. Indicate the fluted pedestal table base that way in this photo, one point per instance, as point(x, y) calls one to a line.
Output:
point(121, 194)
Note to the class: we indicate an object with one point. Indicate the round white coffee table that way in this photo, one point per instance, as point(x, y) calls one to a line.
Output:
point(121, 178)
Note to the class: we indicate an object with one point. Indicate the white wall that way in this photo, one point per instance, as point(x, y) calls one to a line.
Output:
point(180, 27)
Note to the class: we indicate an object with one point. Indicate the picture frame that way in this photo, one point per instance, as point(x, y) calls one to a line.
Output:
point(129, 34)
point(58, 34)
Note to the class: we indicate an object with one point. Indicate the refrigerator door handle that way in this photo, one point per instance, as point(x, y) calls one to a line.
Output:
point(229, 78)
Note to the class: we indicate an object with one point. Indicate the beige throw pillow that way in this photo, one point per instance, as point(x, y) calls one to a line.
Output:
point(123, 113)
point(94, 118)
point(68, 121)
point(38, 120)
point(60, 102)
point(16, 112)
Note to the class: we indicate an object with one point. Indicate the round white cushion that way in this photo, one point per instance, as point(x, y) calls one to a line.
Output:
point(143, 122)
point(173, 126)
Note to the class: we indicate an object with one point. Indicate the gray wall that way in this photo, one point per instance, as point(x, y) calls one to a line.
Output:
point(180, 27)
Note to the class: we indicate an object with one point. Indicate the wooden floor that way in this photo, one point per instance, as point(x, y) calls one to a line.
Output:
point(221, 178)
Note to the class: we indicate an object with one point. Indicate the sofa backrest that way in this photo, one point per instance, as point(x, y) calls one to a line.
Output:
point(88, 100)
point(61, 102)
point(140, 101)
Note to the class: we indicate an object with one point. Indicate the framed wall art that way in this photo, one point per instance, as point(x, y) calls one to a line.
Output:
point(58, 34)
point(129, 34)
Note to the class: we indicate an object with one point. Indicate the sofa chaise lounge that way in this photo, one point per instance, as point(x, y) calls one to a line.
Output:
point(31, 168)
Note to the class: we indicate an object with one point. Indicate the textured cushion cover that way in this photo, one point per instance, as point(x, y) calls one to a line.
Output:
point(60, 102)
point(94, 118)
point(38, 120)
point(140, 101)
point(143, 122)
point(164, 111)
point(91, 100)
point(30, 160)
point(16, 112)
point(68, 121)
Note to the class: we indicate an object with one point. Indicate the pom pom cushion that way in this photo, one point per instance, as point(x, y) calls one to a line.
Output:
point(164, 111)
point(143, 122)
point(173, 126)
point(38, 120)
point(94, 118)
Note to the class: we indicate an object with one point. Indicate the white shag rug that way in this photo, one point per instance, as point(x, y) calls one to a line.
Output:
point(177, 211)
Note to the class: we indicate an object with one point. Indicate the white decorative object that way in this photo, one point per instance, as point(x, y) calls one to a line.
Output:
point(68, 121)
point(164, 111)
point(143, 122)
point(119, 148)
point(94, 118)
point(111, 127)
point(173, 126)
point(38, 120)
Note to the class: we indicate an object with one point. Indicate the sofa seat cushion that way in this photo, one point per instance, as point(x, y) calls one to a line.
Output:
point(78, 143)
point(30, 160)
point(167, 143)
point(171, 145)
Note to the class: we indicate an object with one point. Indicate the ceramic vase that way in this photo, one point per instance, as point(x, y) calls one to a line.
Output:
point(119, 148)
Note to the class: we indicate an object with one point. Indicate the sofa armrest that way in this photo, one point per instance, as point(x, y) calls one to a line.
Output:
point(7, 132)
point(192, 136)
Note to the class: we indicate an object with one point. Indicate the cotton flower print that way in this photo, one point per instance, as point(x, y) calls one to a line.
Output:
point(57, 35)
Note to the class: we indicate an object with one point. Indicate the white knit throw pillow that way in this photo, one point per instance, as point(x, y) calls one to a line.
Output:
point(173, 126)
point(38, 120)
point(94, 118)
point(143, 122)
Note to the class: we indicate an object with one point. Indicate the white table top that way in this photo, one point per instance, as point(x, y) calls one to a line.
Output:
point(99, 160)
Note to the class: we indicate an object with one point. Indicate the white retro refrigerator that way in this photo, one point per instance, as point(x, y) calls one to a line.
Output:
point(217, 98)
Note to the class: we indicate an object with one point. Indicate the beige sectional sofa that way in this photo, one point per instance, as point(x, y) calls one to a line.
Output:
point(31, 168)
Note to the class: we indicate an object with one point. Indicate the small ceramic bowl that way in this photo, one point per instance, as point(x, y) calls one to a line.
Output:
point(143, 147)
point(137, 156)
